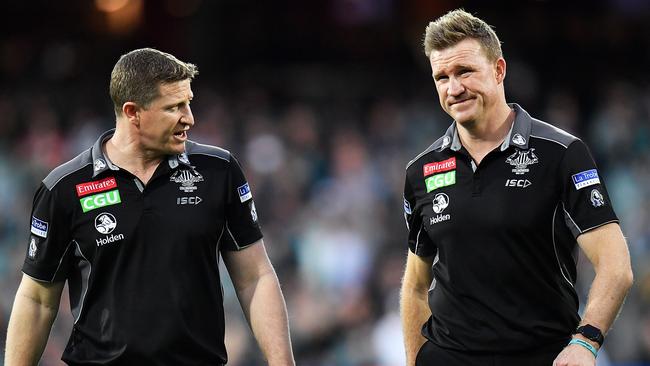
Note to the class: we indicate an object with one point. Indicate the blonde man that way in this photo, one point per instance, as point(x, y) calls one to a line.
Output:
point(496, 209)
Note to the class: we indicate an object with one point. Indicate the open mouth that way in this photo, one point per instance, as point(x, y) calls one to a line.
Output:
point(182, 135)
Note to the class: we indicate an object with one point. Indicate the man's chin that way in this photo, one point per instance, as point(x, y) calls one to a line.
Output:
point(175, 149)
point(464, 117)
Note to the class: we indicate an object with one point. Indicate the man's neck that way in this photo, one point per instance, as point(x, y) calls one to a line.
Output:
point(484, 136)
point(125, 151)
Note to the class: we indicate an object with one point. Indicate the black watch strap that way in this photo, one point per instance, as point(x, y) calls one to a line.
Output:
point(591, 333)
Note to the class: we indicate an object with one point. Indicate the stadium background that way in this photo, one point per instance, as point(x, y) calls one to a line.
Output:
point(324, 102)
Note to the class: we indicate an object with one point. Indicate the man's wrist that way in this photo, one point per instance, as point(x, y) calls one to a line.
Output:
point(583, 338)
point(584, 344)
point(590, 333)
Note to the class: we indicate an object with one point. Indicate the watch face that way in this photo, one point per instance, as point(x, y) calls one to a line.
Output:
point(591, 332)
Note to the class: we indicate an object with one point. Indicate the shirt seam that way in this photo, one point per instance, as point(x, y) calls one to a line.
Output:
point(83, 297)
point(60, 261)
point(571, 218)
point(559, 264)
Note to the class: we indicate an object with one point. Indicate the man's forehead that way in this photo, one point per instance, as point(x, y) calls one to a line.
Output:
point(466, 52)
point(180, 88)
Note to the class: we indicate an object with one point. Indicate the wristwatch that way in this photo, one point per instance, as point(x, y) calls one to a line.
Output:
point(591, 333)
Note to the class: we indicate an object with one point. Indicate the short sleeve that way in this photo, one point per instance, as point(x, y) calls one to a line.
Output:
point(48, 251)
point(585, 198)
point(418, 240)
point(242, 223)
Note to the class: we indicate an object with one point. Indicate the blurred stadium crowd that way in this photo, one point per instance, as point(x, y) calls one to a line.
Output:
point(324, 137)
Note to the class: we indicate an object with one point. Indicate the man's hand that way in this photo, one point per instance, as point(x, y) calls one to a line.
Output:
point(575, 355)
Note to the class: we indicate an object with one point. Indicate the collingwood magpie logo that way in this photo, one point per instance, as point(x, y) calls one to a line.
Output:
point(445, 142)
point(253, 212)
point(99, 164)
point(521, 159)
point(597, 198)
point(518, 139)
point(187, 179)
point(32, 248)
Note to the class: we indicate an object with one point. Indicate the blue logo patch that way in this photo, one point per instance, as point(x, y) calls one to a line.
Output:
point(244, 192)
point(39, 227)
point(585, 179)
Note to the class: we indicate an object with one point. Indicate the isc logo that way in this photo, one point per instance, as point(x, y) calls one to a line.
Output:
point(188, 200)
point(521, 183)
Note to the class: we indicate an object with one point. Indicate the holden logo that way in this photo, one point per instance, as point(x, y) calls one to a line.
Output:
point(440, 202)
point(105, 223)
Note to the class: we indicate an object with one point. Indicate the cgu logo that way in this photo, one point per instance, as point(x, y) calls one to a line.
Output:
point(100, 200)
point(440, 180)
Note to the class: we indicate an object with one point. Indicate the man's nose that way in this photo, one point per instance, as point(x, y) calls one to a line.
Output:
point(187, 117)
point(455, 87)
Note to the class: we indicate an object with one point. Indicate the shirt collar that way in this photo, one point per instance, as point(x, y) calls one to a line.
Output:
point(519, 133)
point(101, 162)
point(179, 159)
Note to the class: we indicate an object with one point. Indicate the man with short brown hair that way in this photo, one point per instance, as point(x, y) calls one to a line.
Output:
point(136, 225)
point(495, 208)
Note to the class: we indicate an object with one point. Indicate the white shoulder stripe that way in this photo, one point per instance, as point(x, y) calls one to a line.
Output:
point(195, 148)
point(551, 140)
point(548, 132)
point(77, 163)
point(212, 155)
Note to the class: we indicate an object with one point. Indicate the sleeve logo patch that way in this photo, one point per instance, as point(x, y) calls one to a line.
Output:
point(32, 248)
point(439, 166)
point(597, 198)
point(39, 227)
point(87, 188)
point(244, 192)
point(585, 179)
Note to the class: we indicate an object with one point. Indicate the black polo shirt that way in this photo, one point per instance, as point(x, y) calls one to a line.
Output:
point(142, 261)
point(503, 234)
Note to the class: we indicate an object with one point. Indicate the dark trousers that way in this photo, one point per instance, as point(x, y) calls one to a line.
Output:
point(432, 355)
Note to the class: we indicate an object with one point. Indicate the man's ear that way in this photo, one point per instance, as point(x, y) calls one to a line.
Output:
point(132, 112)
point(500, 70)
